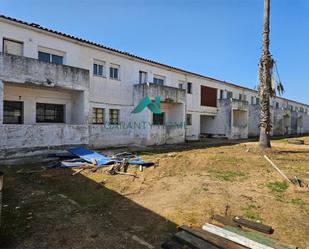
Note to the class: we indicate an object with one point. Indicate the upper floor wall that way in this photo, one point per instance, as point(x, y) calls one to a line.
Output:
point(125, 70)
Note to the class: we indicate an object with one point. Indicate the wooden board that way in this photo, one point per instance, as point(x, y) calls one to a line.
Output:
point(193, 241)
point(212, 238)
point(253, 225)
point(234, 237)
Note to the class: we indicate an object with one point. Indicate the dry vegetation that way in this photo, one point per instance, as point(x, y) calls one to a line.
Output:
point(52, 209)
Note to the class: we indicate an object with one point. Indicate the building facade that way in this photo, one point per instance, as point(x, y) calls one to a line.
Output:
point(57, 90)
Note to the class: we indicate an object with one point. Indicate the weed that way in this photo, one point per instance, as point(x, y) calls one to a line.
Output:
point(277, 186)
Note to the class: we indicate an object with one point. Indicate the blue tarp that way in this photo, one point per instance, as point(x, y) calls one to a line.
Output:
point(89, 156)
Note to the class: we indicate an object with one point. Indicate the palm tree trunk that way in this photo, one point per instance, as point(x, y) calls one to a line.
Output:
point(265, 88)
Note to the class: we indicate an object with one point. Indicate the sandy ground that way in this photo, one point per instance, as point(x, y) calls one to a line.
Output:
point(52, 209)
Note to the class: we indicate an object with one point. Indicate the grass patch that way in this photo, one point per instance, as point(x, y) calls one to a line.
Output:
point(298, 201)
point(227, 175)
point(277, 186)
point(251, 212)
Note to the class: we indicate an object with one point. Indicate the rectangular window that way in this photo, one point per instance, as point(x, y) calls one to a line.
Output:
point(189, 88)
point(208, 96)
point(12, 112)
point(142, 77)
point(181, 84)
point(252, 100)
point(13, 47)
point(97, 115)
point(257, 101)
point(49, 113)
point(157, 79)
point(189, 119)
point(158, 119)
point(277, 105)
point(43, 56)
point(114, 116)
point(221, 94)
point(98, 68)
point(229, 95)
point(114, 72)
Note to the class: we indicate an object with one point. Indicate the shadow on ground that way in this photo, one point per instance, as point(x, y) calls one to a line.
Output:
point(53, 209)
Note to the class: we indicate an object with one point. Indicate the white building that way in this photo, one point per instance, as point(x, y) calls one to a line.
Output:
point(57, 90)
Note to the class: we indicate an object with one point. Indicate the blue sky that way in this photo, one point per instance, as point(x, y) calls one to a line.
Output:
point(217, 38)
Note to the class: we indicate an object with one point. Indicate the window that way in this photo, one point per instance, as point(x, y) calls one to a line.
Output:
point(208, 96)
point(189, 88)
point(114, 116)
point(181, 84)
point(277, 105)
point(189, 119)
point(229, 95)
point(12, 112)
point(114, 72)
point(221, 94)
point(158, 119)
point(49, 113)
point(257, 101)
point(12, 47)
point(98, 68)
point(242, 97)
point(142, 77)
point(157, 79)
point(252, 100)
point(97, 115)
point(50, 57)
point(301, 109)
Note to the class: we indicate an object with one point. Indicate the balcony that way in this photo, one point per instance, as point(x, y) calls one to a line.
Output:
point(167, 94)
point(24, 70)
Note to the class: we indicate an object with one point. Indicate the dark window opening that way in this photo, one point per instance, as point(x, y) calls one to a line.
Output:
point(158, 81)
point(189, 119)
point(13, 112)
point(97, 69)
point(113, 73)
point(97, 115)
point(189, 88)
point(49, 113)
point(158, 119)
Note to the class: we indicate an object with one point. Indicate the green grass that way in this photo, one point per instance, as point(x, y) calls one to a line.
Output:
point(298, 201)
point(277, 186)
point(227, 175)
point(251, 212)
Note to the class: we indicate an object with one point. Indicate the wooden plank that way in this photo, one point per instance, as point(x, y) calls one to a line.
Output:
point(173, 244)
point(193, 241)
point(280, 172)
point(225, 220)
point(260, 238)
point(212, 238)
point(234, 237)
point(253, 225)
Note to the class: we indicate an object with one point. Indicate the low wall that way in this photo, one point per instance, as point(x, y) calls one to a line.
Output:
point(20, 140)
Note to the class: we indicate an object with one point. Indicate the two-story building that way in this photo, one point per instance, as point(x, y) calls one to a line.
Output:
point(58, 90)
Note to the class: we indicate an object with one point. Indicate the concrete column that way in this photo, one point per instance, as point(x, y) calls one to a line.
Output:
point(1, 101)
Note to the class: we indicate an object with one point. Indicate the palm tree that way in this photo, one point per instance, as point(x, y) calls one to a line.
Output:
point(265, 89)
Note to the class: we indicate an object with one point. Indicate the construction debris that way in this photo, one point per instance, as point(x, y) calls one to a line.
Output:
point(280, 172)
point(82, 158)
point(296, 141)
point(232, 235)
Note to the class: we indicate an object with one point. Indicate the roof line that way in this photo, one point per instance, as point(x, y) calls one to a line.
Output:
point(38, 26)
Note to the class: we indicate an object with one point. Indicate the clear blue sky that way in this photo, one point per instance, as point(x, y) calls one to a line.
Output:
point(217, 38)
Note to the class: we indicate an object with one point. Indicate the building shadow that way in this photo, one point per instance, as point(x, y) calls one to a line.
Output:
point(53, 209)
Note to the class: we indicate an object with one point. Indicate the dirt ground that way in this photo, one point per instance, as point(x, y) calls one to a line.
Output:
point(53, 209)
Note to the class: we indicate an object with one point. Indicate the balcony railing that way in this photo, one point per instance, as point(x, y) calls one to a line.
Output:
point(19, 69)
point(167, 94)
